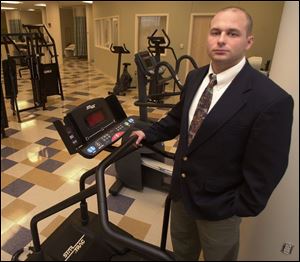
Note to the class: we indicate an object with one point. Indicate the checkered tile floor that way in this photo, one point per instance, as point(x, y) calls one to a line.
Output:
point(37, 171)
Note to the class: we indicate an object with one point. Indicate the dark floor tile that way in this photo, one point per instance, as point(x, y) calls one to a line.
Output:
point(71, 98)
point(11, 131)
point(17, 188)
point(98, 78)
point(111, 171)
point(6, 151)
point(48, 152)
point(51, 127)
point(80, 93)
point(90, 180)
point(52, 119)
point(6, 164)
point(20, 239)
point(78, 82)
point(51, 108)
point(119, 204)
point(69, 106)
point(46, 141)
point(50, 165)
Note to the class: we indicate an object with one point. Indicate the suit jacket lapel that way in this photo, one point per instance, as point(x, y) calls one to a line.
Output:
point(231, 101)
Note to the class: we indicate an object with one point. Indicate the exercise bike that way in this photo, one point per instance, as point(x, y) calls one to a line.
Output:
point(88, 129)
point(123, 82)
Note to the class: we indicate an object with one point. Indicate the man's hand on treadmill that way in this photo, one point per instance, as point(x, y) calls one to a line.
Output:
point(140, 134)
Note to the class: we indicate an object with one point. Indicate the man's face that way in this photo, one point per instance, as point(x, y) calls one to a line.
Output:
point(227, 38)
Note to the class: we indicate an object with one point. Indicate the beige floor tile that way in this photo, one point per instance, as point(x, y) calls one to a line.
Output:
point(147, 213)
point(32, 134)
point(55, 223)
point(74, 167)
point(62, 156)
point(6, 224)
point(6, 199)
point(135, 227)
point(29, 152)
point(44, 179)
point(114, 217)
point(5, 256)
point(14, 143)
point(16, 210)
point(58, 145)
point(6, 179)
point(34, 160)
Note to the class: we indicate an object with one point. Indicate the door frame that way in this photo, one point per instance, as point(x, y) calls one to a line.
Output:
point(192, 18)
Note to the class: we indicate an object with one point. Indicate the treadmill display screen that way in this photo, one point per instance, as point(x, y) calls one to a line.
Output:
point(148, 62)
point(95, 118)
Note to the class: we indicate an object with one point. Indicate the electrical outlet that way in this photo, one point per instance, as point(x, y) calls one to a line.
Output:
point(287, 248)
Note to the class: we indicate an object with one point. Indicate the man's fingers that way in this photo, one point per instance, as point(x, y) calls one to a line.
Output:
point(138, 141)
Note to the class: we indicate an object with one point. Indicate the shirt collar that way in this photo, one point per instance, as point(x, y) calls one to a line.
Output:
point(228, 75)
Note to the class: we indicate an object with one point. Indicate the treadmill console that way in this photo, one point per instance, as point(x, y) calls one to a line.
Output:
point(93, 125)
point(146, 62)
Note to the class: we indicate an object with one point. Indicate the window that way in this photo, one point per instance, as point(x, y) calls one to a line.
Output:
point(146, 25)
point(107, 31)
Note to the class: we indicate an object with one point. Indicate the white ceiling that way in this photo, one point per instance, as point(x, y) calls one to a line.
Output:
point(30, 4)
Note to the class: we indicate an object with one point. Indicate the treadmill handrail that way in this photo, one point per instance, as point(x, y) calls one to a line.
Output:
point(134, 244)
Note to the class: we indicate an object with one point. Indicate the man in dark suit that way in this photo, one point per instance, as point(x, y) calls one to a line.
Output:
point(233, 147)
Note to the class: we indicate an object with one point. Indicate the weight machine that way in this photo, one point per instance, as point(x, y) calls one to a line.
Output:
point(49, 72)
point(31, 49)
point(10, 70)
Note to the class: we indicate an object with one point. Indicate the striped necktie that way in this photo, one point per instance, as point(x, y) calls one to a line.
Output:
point(202, 108)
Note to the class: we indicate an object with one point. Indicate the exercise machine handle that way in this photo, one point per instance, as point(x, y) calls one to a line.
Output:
point(180, 59)
point(118, 49)
point(168, 39)
point(171, 70)
point(132, 243)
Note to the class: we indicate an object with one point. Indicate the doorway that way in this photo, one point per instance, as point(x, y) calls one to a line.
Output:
point(199, 28)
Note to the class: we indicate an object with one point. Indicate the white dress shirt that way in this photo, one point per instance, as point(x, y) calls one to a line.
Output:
point(223, 81)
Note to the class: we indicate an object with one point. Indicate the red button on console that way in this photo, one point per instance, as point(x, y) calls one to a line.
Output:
point(117, 136)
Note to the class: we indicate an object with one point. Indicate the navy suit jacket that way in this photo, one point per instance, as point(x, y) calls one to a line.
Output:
point(239, 153)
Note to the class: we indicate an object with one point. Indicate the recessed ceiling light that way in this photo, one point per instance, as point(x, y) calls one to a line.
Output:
point(31, 10)
point(11, 2)
point(40, 4)
point(7, 8)
point(87, 2)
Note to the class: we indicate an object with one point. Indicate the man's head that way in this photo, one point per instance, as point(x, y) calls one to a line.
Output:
point(229, 37)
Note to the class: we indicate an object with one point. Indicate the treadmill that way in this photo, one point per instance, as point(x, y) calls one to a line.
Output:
point(85, 236)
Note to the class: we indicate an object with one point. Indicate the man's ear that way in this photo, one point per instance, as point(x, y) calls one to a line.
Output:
point(250, 41)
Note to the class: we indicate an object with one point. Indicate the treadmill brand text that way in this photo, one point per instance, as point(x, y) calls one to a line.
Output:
point(74, 249)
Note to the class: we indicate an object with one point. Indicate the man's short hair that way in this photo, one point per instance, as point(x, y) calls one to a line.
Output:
point(248, 16)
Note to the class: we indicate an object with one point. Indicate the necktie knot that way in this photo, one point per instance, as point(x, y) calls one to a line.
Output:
point(212, 79)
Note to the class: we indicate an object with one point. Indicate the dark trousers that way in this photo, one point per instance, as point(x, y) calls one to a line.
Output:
point(219, 240)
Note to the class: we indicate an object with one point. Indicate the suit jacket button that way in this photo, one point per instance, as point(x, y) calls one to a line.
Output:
point(185, 158)
point(183, 175)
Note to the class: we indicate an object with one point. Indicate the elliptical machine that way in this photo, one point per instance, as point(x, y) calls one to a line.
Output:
point(122, 83)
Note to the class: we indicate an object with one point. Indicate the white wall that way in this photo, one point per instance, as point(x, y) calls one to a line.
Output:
point(262, 237)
